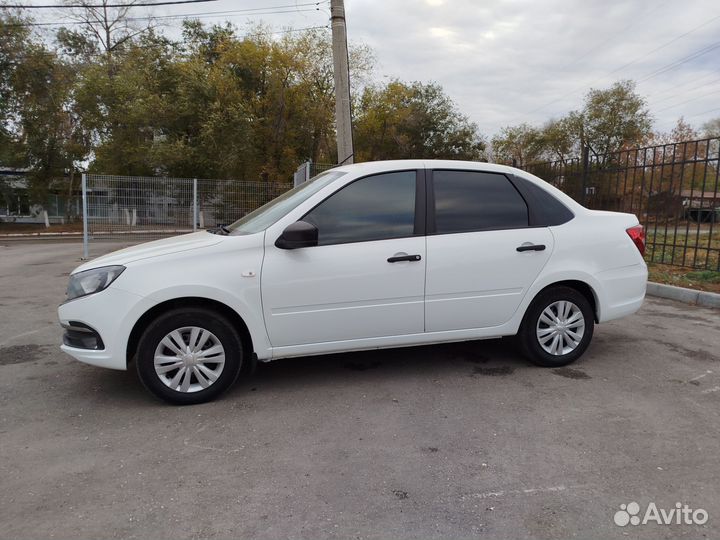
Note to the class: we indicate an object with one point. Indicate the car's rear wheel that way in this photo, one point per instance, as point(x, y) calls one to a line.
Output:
point(189, 355)
point(557, 327)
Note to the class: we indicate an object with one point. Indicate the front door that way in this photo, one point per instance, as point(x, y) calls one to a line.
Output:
point(365, 278)
point(476, 276)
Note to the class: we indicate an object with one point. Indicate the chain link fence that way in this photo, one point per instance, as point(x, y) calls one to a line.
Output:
point(140, 208)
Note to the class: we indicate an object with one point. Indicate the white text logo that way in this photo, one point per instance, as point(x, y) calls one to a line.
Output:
point(682, 514)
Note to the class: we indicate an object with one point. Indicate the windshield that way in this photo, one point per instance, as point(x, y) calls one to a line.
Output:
point(266, 215)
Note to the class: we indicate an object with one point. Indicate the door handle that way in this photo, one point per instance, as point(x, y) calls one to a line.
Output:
point(411, 258)
point(532, 247)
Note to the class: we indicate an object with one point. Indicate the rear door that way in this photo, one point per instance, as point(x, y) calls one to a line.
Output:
point(482, 255)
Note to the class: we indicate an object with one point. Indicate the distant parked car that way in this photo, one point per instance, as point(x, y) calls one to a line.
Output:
point(366, 256)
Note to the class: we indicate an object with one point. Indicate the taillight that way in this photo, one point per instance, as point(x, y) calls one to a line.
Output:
point(637, 234)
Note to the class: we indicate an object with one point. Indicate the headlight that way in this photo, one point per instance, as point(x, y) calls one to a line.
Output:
point(92, 281)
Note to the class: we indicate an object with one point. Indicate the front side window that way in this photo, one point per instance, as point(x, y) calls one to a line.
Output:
point(476, 201)
point(373, 208)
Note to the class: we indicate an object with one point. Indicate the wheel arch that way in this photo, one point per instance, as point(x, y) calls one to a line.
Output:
point(189, 301)
point(580, 286)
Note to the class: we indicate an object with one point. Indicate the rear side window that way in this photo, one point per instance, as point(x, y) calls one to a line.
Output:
point(476, 201)
point(373, 208)
point(545, 210)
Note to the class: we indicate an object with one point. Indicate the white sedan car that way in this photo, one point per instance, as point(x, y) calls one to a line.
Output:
point(366, 256)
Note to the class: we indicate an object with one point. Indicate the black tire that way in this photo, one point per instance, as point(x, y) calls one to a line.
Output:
point(222, 332)
point(528, 335)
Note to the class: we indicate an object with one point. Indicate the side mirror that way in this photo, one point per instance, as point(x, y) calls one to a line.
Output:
point(298, 235)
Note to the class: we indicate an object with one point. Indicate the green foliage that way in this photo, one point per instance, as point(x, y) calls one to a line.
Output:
point(522, 145)
point(14, 39)
point(705, 275)
point(215, 105)
point(400, 121)
point(614, 118)
point(37, 127)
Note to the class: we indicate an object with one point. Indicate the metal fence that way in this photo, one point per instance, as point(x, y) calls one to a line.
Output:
point(139, 208)
point(672, 188)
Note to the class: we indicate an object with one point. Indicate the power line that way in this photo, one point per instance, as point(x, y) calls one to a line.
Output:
point(273, 10)
point(670, 93)
point(72, 6)
point(714, 92)
point(609, 39)
point(676, 93)
point(244, 36)
point(585, 85)
point(254, 11)
point(704, 112)
point(673, 65)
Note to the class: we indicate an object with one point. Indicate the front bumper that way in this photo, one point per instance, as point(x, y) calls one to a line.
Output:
point(111, 314)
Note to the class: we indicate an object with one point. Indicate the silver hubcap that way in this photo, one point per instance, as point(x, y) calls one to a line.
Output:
point(560, 328)
point(189, 359)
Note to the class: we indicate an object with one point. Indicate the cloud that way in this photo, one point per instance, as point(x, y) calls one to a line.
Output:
point(512, 61)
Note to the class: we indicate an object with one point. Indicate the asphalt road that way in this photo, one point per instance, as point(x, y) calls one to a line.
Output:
point(455, 441)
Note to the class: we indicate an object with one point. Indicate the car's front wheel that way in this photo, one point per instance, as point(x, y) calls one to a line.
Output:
point(189, 356)
point(557, 327)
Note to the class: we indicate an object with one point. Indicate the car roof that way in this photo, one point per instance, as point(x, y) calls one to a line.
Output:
point(399, 164)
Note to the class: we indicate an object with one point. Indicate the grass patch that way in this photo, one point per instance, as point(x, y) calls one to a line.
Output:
point(694, 249)
point(701, 280)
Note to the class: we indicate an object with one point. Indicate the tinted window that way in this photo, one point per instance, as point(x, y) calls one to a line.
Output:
point(476, 201)
point(374, 208)
point(545, 209)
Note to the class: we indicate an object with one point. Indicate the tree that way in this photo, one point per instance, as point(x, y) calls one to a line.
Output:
point(610, 120)
point(38, 128)
point(681, 132)
point(560, 138)
point(14, 45)
point(214, 105)
point(614, 118)
point(519, 145)
point(711, 128)
point(400, 121)
point(125, 107)
point(104, 22)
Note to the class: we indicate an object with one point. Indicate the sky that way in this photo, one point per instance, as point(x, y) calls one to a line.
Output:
point(504, 62)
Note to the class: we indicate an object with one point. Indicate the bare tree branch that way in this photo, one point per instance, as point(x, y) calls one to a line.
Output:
point(110, 24)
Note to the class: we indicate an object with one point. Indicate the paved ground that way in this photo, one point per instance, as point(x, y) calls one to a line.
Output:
point(454, 441)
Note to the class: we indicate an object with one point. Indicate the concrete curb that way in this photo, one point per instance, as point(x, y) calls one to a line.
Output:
point(681, 294)
point(13, 236)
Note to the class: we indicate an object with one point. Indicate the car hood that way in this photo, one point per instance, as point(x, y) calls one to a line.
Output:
point(157, 248)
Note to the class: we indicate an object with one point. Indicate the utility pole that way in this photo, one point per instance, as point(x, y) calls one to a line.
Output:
point(343, 119)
